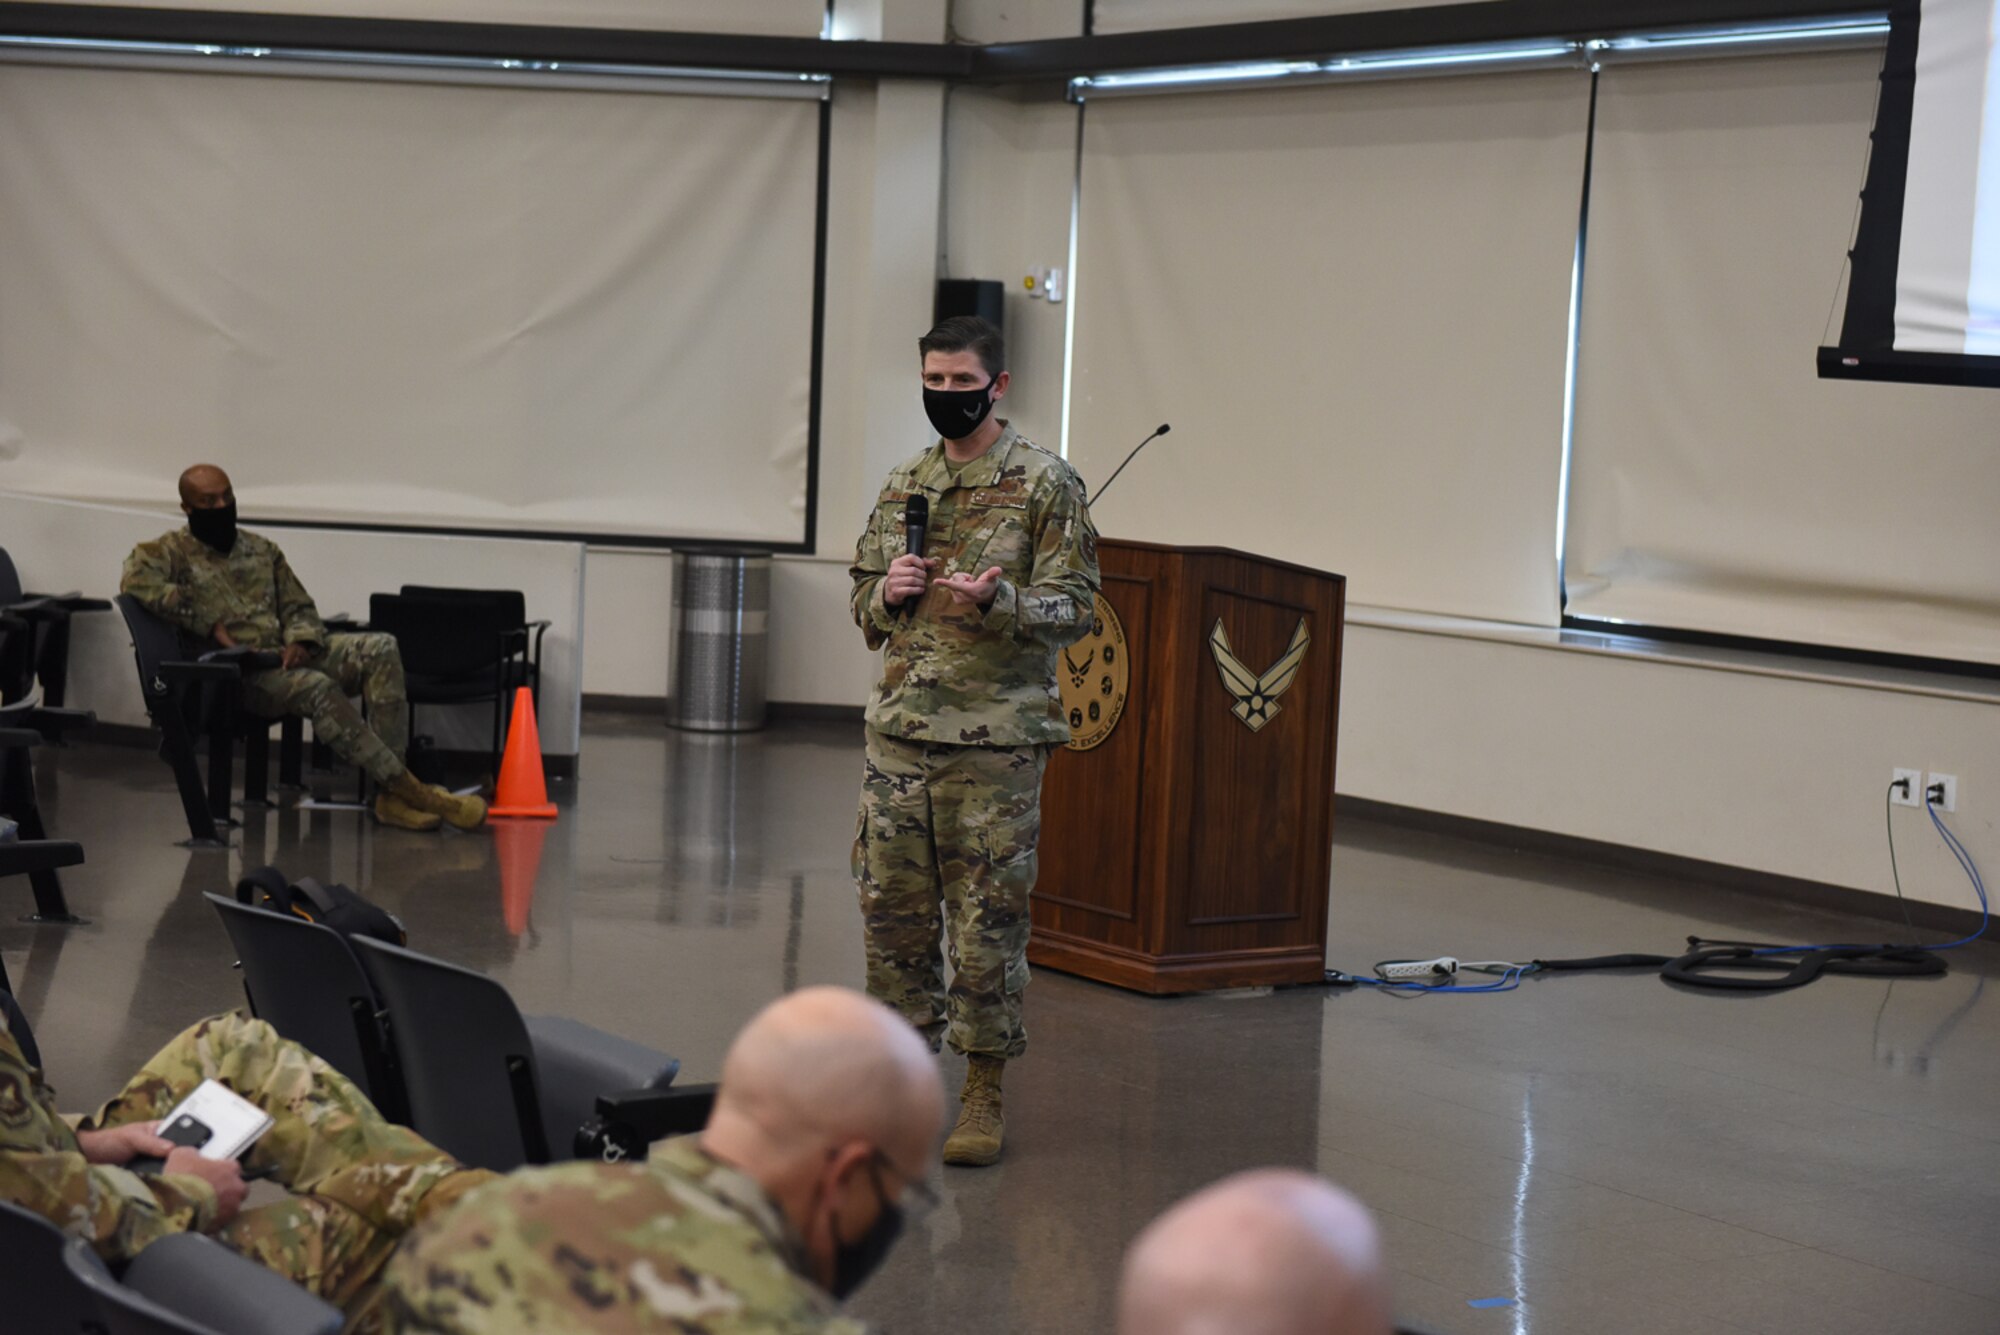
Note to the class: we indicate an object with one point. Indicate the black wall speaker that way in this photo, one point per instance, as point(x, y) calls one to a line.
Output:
point(969, 296)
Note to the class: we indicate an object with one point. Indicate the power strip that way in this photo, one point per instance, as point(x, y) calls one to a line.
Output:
point(1444, 966)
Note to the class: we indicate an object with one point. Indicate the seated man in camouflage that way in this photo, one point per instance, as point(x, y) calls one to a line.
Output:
point(829, 1108)
point(230, 587)
point(356, 1183)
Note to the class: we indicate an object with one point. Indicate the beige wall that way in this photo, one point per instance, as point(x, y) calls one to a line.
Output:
point(1775, 774)
point(988, 21)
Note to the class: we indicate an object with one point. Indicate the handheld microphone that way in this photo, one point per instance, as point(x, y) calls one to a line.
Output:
point(1162, 430)
point(916, 521)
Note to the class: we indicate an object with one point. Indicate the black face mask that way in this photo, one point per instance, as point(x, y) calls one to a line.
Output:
point(854, 1262)
point(215, 528)
point(957, 413)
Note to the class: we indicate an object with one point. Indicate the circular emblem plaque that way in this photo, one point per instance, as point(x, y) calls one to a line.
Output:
point(1095, 674)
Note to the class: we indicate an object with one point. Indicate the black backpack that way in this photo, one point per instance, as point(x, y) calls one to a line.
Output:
point(334, 906)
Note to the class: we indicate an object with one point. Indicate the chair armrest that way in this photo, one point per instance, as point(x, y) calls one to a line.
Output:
point(55, 723)
point(201, 671)
point(24, 857)
point(33, 726)
point(203, 1281)
point(247, 659)
point(72, 602)
point(37, 609)
point(630, 1120)
point(342, 624)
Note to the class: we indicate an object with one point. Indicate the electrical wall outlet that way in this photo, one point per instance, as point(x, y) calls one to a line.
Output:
point(1911, 794)
point(1948, 801)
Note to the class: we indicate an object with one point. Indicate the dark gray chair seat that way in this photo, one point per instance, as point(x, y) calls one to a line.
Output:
point(186, 1284)
point(37, 1294)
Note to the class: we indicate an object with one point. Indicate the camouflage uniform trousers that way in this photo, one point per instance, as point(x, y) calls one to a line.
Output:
point(945, 847)
point(357, 1180)
point(370, 666)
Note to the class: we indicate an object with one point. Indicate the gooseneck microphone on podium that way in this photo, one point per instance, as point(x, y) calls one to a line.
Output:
point(916, 521)
point(1161, 430)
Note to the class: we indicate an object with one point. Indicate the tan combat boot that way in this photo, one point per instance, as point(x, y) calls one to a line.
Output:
point(391, 810)
point(976, 1139)
point(464, 812)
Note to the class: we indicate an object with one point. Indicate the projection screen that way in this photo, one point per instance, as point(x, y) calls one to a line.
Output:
point(1924, 296)
point(463, 308)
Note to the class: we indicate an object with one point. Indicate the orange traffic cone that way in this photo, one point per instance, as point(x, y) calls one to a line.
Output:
point(522, 791)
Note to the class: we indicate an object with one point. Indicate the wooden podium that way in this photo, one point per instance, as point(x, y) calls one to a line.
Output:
point(1189, 847)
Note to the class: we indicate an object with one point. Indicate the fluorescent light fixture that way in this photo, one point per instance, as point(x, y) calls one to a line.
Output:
point(1839, 32)
point(405, 67)
point(1196, 76)
point(1359, 65)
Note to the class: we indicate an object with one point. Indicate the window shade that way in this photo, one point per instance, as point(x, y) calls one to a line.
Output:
point(1352, 303)
point(1717, 484)
point(495, 309)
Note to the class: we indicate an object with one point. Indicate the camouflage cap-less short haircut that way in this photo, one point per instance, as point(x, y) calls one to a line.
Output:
point(963, 333)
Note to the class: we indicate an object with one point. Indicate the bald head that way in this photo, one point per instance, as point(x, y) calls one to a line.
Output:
point(819, 1068)
point(204, 485)
point(1270, 1252)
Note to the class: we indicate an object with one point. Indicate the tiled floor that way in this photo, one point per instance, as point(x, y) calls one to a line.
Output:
point(1611, 1153)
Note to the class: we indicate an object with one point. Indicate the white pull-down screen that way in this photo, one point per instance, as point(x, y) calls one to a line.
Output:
point(452, 307)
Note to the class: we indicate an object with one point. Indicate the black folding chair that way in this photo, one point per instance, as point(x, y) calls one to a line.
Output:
point(33, 854)
point(37, 1293)
point(49, 614)
point(191, 693)
point(186, 1284)
point(302, 979)
point(456, 650)
point(468, 1056)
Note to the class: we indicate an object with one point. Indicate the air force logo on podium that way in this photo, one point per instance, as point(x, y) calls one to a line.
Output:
point(1257, 696)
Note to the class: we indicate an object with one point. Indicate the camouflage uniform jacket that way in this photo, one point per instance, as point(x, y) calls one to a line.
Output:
point(953, 673)
point(252, 591)
point(682, 1243)
point(42, 1169)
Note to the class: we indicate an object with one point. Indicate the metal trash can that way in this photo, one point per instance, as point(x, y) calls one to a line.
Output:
point(722, 613)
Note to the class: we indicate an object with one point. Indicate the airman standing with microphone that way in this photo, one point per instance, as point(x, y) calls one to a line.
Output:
point(967, 713)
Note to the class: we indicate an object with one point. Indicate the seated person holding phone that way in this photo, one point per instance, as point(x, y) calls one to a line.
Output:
point(355, 1183)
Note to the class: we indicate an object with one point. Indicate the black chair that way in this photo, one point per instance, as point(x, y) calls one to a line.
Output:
point(33, 854)
point(17, 659)
point(37, 1293)
point(186, 1284)
point(456, 650)
point(191, 693)
point(521, 637)
point(466, 1052)
point(49, 615)
point(302, 979)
